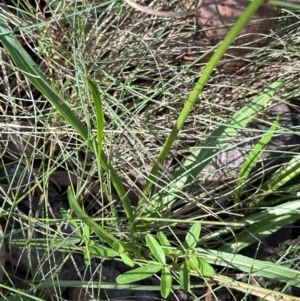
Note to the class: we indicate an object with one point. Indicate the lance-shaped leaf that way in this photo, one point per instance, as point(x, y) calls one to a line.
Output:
point(192, 236)
point(166, 282)
point(139, 273)
point(201, 266)
point(184, 276)
point(165, 243)
point(127, 260)
point(156, 249)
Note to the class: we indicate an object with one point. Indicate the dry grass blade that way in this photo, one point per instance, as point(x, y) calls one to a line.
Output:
point(166, 14)
point(254, 290)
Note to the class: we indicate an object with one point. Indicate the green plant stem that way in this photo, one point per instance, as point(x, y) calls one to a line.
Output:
point(232, 34)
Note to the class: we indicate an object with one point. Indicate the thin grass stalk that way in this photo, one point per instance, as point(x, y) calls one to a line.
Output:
point(233, 33)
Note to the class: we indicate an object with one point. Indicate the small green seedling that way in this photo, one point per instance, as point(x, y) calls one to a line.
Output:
point(161, 249)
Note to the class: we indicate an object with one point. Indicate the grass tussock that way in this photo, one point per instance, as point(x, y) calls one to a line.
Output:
point(62, 167)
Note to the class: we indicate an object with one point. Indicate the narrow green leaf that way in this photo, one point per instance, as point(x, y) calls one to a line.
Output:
point(99, 115)
point(280, 177)
point(192, 236)
point(289, 4)
point(20, 294)
point(103, 252)
point(164, 243)
point(156, 249)
point(17, 298)
point(118, 247)
point(127, 260)
point(87, 256)
point(86, 232)
point(258, 231)
point(63, 242)
point(166, 282)
point(184, 276)
point(101, 232)
point(201, 266)
point(30, 69)
point(194, 96)
point(270, 212)
point(254, 266)
point(139, 273)
point(252, 159)
point(206, 151)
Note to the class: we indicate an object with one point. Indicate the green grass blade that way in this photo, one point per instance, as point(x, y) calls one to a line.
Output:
point(21, 296)
point(253, 289)
point(227, 41)
point(103, 251)
point(86, 219)
point(252, 159)
point(259, 231)
point(99, 116)
point(281, 176)
point(30, 69)
point(289, 4)
point(269, 213)
point(217, 141)
point(252, 266)
point(63, 242)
